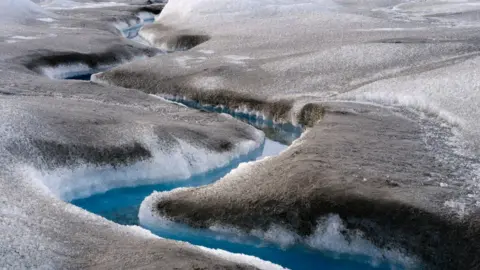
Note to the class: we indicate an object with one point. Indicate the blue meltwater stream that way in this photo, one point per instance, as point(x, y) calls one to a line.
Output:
point(122, 205)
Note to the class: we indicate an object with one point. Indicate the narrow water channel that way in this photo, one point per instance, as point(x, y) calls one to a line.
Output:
point(122, 205)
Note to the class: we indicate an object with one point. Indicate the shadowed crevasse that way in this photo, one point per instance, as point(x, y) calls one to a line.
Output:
point(115, 55)
point(154, 9)
point(180, 42)
point(169, 39)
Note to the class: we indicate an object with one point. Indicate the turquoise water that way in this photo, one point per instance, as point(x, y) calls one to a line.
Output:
point(122, 205)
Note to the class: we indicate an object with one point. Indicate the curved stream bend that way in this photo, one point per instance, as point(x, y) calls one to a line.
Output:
point(123, 205)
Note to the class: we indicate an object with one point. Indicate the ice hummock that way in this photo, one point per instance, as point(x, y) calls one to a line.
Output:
point(20, 10)
point(205, 12)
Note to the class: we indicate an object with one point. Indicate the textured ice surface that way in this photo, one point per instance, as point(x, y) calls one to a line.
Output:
point(178, 164)
point(65, 180)
point(366, 54)
point(59, 128)
point(187, 12)
point(404, 145)
point(69, 4)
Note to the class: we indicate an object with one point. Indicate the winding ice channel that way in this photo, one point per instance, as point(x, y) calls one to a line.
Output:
point(122, 206)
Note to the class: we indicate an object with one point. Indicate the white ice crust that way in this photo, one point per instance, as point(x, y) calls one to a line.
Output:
point(178, 164)
point(69, 4)
point(179, 12)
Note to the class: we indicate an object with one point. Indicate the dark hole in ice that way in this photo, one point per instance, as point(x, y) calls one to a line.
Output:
point(154, 9)
point(186, 42)
point(84, 77)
